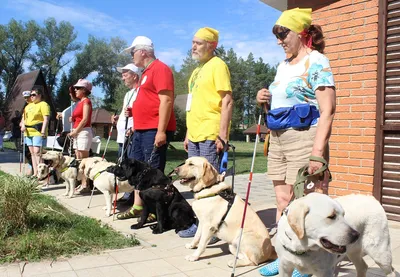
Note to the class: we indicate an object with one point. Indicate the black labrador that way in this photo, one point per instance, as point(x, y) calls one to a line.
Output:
point(160, 197)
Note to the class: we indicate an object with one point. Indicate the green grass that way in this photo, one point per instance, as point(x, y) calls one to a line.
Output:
point(52, 231)
point(243, 155)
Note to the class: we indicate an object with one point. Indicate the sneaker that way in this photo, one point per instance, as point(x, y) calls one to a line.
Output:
point(188, 233)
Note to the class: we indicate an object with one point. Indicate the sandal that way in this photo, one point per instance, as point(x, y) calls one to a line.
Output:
point(150, 219)
point(132, 213)
point(188, 233)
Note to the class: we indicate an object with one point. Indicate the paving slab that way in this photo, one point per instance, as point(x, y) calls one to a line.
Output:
point(162, 254)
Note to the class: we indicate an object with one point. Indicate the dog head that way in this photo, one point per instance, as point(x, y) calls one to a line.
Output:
point(197, 173)
point(317, 219)
point(53, 158)
point(42, 171)
point(129, 169)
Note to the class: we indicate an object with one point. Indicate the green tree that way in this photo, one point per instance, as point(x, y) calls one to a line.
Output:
point(16, 40)
point(54, 41)
point(63, 100)
point(103, 57)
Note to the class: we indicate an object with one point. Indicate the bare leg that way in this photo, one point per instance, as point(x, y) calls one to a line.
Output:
point(35, 153)
point(138, 201)
point(283, 194)
point(82, 155)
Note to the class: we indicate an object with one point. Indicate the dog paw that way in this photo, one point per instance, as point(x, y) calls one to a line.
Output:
point(191, 258)
point(70, 196)
point(136, 226)
point(189, 246)
point(65, 194)
point(231, 263)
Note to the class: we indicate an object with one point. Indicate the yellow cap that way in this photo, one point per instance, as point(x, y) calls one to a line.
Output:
point(208, 34)
point(295, 19)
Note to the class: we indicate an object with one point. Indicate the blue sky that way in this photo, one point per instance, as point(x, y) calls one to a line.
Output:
point(244, 25)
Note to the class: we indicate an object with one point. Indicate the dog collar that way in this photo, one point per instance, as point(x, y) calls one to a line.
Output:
point(297, 253)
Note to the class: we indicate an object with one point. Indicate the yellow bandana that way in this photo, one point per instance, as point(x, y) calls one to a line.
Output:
point(295, 19)
point(208, 34)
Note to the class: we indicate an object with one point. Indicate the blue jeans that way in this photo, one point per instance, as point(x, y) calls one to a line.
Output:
point(143, 145)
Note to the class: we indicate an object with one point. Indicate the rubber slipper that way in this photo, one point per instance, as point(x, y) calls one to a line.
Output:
point(270, 269)
point(188, 233)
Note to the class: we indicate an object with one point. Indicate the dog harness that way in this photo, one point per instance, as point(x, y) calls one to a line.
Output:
point(90, 169)
point(229, 196)
point(73, 163)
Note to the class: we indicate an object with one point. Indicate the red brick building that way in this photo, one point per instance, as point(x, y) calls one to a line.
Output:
point(363, 45)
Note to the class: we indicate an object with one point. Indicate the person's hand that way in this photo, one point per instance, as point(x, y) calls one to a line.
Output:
point(263, 96)
point(43, 135)
point(186, 144)
point(161, 139)
point(59, 115)
point(128, 112)
point(314, 166)
point(129, 131)
point(70, 119)
point(220, 145)
point(23, 128)
point(114, 119)
point(73, 134)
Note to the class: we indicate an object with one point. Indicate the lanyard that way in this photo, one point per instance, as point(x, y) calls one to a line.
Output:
point(194, 78)
point(133, 92)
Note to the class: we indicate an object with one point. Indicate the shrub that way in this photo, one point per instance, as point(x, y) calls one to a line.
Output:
point(15, 196)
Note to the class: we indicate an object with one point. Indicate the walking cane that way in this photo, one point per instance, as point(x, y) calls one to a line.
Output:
point(23, 155)
point(247, 195)
point(20, 154)
point(108, 140)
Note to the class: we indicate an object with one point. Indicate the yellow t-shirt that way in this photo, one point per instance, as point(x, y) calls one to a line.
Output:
point(203, 118)
point(33, 114)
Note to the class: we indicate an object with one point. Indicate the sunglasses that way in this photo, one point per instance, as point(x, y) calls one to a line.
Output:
point(78, 88)
point(33, 95)
point(134, 51)
point(282, 35)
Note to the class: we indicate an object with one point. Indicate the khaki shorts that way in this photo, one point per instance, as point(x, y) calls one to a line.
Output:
point(83, 142)
point(289, 150)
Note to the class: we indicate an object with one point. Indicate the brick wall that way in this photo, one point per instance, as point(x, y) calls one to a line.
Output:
point(351, 31)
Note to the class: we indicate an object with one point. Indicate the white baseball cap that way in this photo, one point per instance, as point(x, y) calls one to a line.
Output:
point(131, 67)
point(138, 43)
point(26, 93)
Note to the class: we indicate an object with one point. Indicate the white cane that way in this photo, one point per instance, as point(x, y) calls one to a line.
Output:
point(23, 154)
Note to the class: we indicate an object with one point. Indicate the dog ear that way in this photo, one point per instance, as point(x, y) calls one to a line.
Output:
point(209, 174)
point(297, 216)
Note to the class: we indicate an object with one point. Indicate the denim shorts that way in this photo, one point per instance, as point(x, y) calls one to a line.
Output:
point(37, 141)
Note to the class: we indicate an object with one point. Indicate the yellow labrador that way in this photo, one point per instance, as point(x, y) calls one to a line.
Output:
point(216, 219)
point(65, 169)
point(95, 169)
point(316, 232)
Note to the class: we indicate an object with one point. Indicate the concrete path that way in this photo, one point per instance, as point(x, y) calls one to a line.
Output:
point(161, 255)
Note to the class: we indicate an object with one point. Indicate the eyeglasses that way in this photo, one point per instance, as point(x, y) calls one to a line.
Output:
point(282, 35)
point(33, 95)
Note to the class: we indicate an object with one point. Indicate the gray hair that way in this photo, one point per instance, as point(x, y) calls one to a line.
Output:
point(146, 48)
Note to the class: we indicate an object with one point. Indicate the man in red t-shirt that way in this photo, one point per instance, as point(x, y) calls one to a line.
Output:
point(152, 111)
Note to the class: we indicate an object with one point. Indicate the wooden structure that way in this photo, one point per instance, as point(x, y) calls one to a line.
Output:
point(101, 124)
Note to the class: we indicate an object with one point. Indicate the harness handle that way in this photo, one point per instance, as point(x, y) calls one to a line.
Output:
point(302, 175)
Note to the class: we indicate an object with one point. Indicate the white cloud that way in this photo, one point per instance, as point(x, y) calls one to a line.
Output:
point(171, 56)
point(89, 19)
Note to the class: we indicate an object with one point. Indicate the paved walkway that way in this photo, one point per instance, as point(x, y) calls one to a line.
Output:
point(163, 254)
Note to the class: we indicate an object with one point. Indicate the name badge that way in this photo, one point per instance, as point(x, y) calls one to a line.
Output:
point(189, 102)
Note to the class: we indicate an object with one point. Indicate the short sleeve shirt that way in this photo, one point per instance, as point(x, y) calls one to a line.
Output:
point(34, 113)
point(77, 114)
point(156, 77)
point(296, 84)
point(204, 117)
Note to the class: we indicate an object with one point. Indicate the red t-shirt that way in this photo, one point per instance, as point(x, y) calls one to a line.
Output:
point(155, 78)
point(77, 114)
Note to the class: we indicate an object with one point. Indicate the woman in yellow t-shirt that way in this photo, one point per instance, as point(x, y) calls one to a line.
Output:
point(34, 125)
